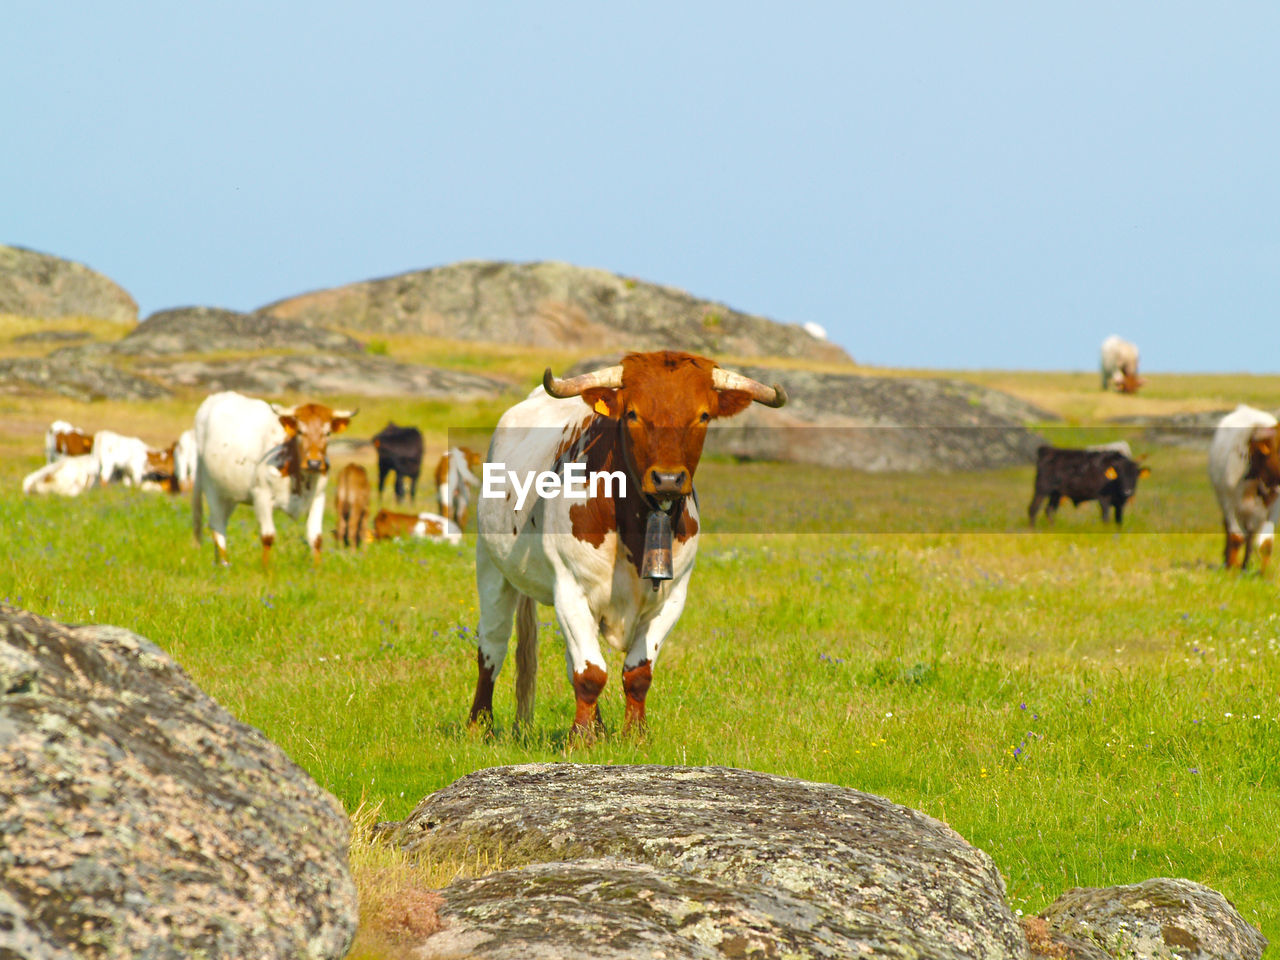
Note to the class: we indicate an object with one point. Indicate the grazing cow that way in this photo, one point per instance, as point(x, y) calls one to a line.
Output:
point(64, 440)
point(1120, 365)
point(399, 451)
point(419, 526)
point(1107, 476)
point(250, 451)
point(352, 505)
point(455, 481)
point(644, 422)
point(66, 476)
point(184, 460)
point(1244, 467)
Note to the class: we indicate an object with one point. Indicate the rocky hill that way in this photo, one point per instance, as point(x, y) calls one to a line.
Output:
point(39, 285)
point(209, 329)
point(550, 305)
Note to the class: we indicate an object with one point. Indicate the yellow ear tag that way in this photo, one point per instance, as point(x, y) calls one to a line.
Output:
point(602, 408)
point(1111, 473)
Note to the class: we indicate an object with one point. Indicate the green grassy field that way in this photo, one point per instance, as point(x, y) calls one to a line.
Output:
point(1090, 707)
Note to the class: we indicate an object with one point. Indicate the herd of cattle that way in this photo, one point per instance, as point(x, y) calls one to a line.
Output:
point(646, 417)
point(243, 450)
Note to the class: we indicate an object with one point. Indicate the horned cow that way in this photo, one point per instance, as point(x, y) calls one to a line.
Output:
point(1244, 468)
point(1105, 475)
point(1120, 365)
point(249, 451)
point(647, 417)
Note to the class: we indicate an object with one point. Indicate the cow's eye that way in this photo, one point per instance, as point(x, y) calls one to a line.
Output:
point(632, 417)
point(705, 417)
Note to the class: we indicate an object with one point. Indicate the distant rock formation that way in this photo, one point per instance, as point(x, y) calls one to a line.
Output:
point(210, 329)
point(550, 304)
point(140, 819)
point(323, 374)
point(39, 285)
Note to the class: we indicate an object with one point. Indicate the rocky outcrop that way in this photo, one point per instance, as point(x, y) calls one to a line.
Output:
point(648, 861)
point(550, 305)
point(39, 285)
point(81, 373)
point(140, 819)
point(323, 374)
point(1159, 919)
point(209, 330)
point(914, 424)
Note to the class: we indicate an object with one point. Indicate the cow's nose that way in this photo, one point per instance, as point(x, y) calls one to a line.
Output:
point(317, 465)
point(669, 482)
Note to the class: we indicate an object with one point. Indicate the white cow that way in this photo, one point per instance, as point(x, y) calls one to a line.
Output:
point(250, 451)
point(644, 423)
point(120, 458)
point(1244, 466)
point(1120, 365)
point(184, 460)
point(455, 482)
point(68, 476)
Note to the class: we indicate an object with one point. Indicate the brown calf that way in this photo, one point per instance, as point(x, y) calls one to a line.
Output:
point(352, 505)
point(73, 443)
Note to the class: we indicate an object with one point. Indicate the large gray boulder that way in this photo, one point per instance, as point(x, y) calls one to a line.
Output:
point(649, 861)
point(1158, 919)
point(39, 285)
point(210, 329)
point(551, 304)
point(139, 819)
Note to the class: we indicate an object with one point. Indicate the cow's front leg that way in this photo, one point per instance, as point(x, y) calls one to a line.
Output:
point(315, 520)
point(263, 509)
point(585, 662)
point(637, 668)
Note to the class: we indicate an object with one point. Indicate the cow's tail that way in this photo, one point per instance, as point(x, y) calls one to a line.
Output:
point(526, 658)
point(197, 505)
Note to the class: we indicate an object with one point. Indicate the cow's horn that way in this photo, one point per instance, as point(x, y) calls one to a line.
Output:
point(280, 411)
point(345, 414)
point(610, 377)
point(723, 379)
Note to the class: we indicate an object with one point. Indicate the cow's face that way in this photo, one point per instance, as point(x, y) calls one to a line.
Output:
point(1264, 454)
point(310, 426)
point(665, 401)
point(1123, 475)
point(161, 461)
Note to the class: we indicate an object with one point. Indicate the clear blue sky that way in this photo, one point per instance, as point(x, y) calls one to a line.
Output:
point(938, 184)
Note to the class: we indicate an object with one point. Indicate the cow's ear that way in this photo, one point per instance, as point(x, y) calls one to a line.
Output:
point(290, 424)
point(1264, 440)
point(730, 402)
point(1144, 472)
point(604, 401)
point(1111, 473)
point(341, 420)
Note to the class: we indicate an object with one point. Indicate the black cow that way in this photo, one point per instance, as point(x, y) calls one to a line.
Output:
point(1107, 476)
point(400, 450)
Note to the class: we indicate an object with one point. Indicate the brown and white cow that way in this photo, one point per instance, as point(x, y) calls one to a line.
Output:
point(645, 419)
point(64, 440)
point(1244, 468)
point(250, 451)
point(388, 525)
point(352, 505)
point(1120, 365)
